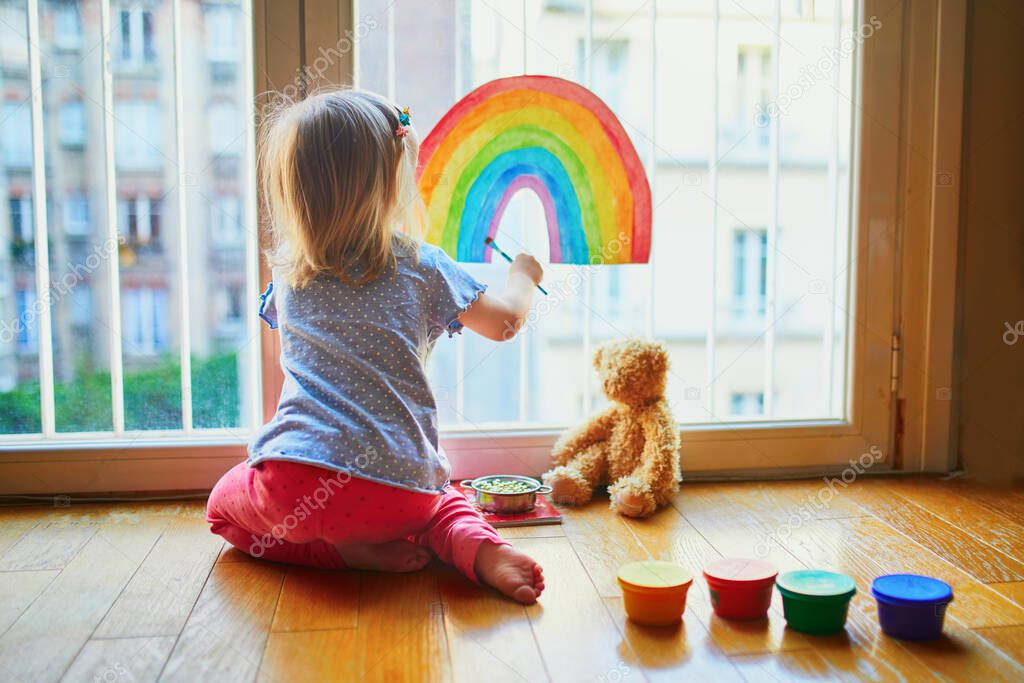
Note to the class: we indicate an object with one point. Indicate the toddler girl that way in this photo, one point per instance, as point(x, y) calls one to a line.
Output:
point(348, 472)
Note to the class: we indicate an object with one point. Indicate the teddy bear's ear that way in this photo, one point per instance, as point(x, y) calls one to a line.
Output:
point(598, 357)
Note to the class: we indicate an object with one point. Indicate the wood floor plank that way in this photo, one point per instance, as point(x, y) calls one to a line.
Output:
point(48, 545)
point(996, 528)
point(959, 546)
point(1014, 590)
point(685, 652)
point(315, 599)
point(791, 665)
point(45, 639)
point(603, 543)
point(163, 591)
point(488, 633)
point(314, 656)
point(1009, 640)
point(15, 522)
point(401, 634)
point(576, 635)
point(121, 659)
point(225, 634)
point(1006, 501)
point(18, 590)
point(540, 531)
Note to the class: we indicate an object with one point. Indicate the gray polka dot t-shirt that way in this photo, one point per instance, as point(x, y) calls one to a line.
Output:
point(355, 395)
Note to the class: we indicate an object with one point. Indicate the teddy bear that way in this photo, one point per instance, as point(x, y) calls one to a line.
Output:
point(633, 445)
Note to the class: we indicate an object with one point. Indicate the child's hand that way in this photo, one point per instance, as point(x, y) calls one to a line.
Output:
point(528, 266)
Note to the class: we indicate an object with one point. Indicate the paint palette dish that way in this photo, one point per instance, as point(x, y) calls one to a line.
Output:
point(911, 607)
point(815, 601)
point(654, 592)
point(740, 587)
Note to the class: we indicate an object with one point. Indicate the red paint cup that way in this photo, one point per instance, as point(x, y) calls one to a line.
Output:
point(741, 588)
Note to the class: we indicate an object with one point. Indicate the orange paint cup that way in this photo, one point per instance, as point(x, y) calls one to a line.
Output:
point(654, 592)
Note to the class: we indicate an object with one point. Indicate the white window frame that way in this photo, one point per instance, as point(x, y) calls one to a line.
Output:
point(153, 461)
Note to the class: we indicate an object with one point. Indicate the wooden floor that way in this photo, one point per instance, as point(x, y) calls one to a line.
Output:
point(143, 592)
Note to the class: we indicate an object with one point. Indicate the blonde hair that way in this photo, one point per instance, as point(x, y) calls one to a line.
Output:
point(339, 186)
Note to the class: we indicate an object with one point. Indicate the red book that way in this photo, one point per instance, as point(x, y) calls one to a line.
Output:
point(542, 513)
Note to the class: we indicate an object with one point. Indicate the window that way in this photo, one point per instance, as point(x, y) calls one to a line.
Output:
point(661, 77)
point(144, 313)
point(750, 272)
point(22, 228)
point(72, 123)
point(222, 33)
point(132, 36)
point(139, 221)
point(67, 26)
point(138, 135)
point(16, 135)
point(76, 214)
point(27, 333)
point(119, 372)
point(225, 221)
point(746, 404)
point(738, 309)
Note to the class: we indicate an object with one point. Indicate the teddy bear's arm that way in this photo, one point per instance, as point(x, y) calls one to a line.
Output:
point(594, 430)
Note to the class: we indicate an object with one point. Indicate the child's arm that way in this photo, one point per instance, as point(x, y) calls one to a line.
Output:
point(500, 317)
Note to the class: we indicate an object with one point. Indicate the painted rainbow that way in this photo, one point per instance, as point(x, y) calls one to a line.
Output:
point(551, 136)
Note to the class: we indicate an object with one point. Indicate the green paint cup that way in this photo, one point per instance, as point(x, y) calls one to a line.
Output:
point(815, 601)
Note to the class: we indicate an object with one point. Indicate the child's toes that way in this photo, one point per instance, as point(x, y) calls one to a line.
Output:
point(525, 595)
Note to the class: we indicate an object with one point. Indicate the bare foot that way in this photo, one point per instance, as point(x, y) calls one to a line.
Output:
point(510, 572)
point(395, 556)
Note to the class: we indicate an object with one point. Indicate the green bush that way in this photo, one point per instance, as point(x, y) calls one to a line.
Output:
point(152, 399)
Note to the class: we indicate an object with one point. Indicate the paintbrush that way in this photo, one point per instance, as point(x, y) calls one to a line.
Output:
point(494, 245)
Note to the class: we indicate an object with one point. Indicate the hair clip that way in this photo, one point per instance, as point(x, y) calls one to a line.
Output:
point(404, 121)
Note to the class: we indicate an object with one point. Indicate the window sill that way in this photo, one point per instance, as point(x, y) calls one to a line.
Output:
point(153, 461)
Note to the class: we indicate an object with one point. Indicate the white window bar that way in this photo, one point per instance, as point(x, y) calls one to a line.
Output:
point(524, 356)
point(460, 339)
point(852, 190)
point(710, 338)
point(652, 161)
point(522, 341)
point(252, 247)
point(392, 73)
point(833, 202)
point(185, 352)
point(114, 283)
point(588, 270)
point(42, 252)
point(773, 220)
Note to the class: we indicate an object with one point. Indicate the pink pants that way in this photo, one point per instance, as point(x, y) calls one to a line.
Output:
point(291, 512)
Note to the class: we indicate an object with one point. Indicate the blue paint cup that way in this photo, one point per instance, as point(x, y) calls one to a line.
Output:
point(911, 607)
